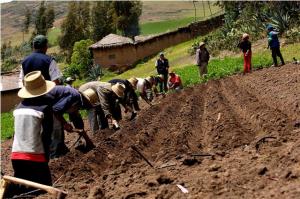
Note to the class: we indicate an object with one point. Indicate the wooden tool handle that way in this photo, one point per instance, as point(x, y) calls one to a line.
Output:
point(57, 193)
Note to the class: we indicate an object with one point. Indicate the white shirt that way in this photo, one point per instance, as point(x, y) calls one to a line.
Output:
point(54, 73)
point(140, 86)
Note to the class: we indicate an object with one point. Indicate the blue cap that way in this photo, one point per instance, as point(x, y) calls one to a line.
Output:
point(270, 27)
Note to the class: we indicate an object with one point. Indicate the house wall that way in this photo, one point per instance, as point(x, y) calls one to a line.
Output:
point(127, 55)
point(9, 100)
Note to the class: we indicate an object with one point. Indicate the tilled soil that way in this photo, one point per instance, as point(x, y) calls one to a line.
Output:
point(237, 137)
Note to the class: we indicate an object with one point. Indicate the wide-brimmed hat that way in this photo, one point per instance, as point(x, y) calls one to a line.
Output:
point(35, 85)
point(118, 89)
point(245, 35)
point(201, 44)
point(150, 79)
point(91, 96)
point(133, 81)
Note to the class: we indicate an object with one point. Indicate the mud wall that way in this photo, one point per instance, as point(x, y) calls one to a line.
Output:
point(9, 99)
point(122, 57)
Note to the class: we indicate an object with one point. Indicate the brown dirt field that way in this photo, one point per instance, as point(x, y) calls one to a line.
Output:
point(249, 124)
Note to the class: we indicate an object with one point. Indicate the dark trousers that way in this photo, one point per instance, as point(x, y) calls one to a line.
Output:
point(276, 52)
point(163, 86)
point(34, 171)
point(97, 119)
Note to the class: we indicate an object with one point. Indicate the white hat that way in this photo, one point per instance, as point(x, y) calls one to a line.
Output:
point(201, 44)
point(118, 89)
point(35, 85)
point(91, 96)
point(69, 79)
point(245, 35)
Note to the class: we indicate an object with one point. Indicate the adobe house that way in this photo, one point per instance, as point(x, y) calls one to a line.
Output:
point(114, 52)
point(9, 88)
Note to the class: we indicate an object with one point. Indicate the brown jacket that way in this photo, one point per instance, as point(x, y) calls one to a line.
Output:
point(107, 97)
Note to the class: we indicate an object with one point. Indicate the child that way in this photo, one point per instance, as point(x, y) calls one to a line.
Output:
point(245, 46)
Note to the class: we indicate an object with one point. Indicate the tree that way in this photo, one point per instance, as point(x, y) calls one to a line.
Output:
point(75, 26)
point(102, 20)
point(27, 20)
point(44, 19)
point(50, 17)
point(126, 17)
point(40, 20)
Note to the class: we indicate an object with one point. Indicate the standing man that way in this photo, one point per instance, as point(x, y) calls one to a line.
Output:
point(202, 58)
point(274, 44)
point(38, 60)
point(162, 67)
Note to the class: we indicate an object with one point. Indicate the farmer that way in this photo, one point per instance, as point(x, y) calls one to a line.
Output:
point(69, 81)
point(32, 136)
point(65, 100)
point(162, 67)
point(107, 105)
point(38, 60)
point(245, 46)
point(130, 100)
point(144, 88)
point(202, 58)
point(175, 82)
point(158, 81)
point(273, 43)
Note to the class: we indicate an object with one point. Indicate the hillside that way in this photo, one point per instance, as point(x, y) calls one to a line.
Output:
point(12, 16)
point(235, 137)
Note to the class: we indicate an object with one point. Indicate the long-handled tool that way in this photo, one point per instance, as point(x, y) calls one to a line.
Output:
point(88, 141)
point(56, 193)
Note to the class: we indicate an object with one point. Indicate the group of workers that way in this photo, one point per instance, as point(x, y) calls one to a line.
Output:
point(39, 121)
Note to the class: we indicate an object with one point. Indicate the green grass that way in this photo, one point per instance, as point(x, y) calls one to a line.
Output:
point(7, 125)
point(164, 26)
point(53, 35)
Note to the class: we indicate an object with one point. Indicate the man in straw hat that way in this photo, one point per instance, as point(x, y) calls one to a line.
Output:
point(107, 106)
point(202, 58)
point(66, 100)
point(130, 100)
point(32, 131)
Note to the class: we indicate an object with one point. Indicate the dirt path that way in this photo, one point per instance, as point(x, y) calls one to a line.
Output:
point(250, 126)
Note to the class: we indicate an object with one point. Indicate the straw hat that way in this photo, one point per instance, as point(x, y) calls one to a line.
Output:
point(150, 79)
point(133, 81)
point(118, 89)
point(201, 44)
point(91, 96)
point(245, 35)
point(35, 85)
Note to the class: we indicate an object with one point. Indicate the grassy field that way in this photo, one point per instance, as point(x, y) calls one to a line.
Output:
point(7, 125)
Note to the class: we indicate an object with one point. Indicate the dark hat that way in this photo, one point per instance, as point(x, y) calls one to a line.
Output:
point(270, 27)
point(39, 41)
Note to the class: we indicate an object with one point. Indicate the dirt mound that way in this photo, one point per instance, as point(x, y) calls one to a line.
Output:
point(229, 138)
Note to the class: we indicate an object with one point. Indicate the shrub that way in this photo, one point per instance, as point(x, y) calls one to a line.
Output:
point(81, 58)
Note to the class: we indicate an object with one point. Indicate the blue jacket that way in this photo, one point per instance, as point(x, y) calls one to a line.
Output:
point(273, 39)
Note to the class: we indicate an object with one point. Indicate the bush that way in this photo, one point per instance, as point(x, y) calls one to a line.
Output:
point(81, 58)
